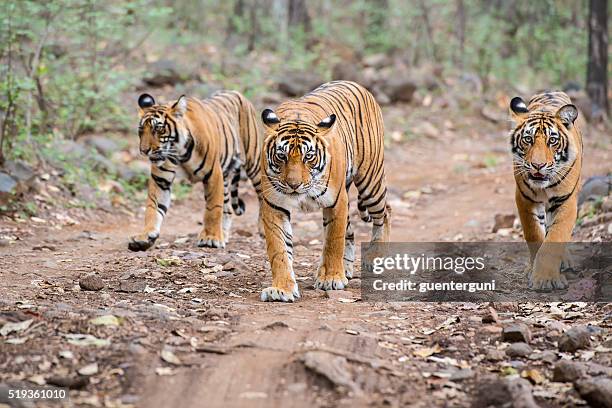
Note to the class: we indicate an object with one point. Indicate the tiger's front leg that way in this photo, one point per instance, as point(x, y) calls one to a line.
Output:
point(212, 234)
point(546, 273)
point(279, 245)
point(158, 202)
point(331, 274)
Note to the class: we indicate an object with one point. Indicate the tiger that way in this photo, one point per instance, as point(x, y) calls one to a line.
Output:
point(212, 140)
point(315, 147)
point(547, 160)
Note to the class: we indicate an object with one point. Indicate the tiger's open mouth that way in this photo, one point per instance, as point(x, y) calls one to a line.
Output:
point(538, 176)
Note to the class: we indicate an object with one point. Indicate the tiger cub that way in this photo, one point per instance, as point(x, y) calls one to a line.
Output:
point(547, 159)
point(211, 140)
point(314, 148)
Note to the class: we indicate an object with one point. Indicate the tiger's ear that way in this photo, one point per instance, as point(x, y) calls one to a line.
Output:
point(180, 106)
point(567, 114)
point(270, 119)
point(326, 123)
point(145, 101)
point(518, 108)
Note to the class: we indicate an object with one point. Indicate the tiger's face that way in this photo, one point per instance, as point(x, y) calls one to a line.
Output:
point(161, 130)
point(296, 154)
point(542, 146)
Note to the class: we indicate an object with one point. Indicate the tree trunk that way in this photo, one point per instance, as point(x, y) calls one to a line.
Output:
point(460, 32)
point(597, 70)
point(234, 24)
point(298, 15)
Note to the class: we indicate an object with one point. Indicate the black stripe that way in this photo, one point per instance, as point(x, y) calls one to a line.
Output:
point(161, 182)
point(277, 208)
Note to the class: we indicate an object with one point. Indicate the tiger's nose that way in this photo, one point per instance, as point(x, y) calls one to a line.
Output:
point(294, 184)
point(538, 166)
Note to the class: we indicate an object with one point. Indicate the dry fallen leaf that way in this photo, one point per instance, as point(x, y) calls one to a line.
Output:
point(170, 357)
point(533, 375)
point(164, 371)
point(427, 351)
point(89, 369)
point(15, 327)
point(106, 320)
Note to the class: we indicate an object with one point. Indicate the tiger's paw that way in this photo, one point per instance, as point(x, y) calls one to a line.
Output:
point(547, 279)
point(348, 269)
point(567, 263)
point(272, 293)
point(327, 280)
point(211, 243)
point(239, 208)
point(142, 242)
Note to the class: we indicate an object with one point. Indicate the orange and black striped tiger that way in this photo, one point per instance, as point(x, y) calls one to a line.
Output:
point(211, 140)
point(315, 148)
point(547, 158)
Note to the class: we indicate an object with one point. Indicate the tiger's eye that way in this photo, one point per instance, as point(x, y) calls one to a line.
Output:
point(527, 139)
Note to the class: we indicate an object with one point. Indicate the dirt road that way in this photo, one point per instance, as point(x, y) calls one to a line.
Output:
point(192, 332)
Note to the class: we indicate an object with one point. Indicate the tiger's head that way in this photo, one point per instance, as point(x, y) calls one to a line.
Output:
point(161, 129)
point(542, 145)
point(296, 153)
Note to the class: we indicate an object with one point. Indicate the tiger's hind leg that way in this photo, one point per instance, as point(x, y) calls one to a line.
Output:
point(237, 202)
point(349, 250)
point(227, 213)
point(212, 234)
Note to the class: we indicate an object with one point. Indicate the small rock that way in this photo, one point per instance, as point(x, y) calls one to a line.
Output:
point(400, 89)
point(516, 332)
point(8, 185)
point(335, 368)
point(595, 369)
point(519, 350)
point(164, 72)
point(596, 391)
point(503, 221)
point(548, 356)
point(495, 355)
point(462, 374)
point(490, 317)
point(74, 383)
point(507, 392)
point(223, 274)
point(596, 186)
point(297, 83)
point(102, 144)
point(132, 286)
point(576, 338)
point(91, 282)
point(568, 371)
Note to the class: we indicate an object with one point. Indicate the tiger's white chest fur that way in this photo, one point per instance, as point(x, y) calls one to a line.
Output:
point(304, 202)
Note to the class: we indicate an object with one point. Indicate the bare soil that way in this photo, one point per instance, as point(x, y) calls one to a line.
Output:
point(233, 349)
